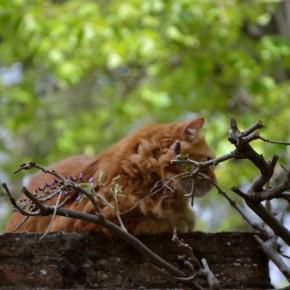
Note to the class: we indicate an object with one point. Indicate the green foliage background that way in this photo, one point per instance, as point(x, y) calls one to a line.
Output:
point(94, 70)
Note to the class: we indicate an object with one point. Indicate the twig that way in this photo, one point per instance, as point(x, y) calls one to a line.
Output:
point(251, 129)
point(274, 142)
point(238, 208)
point(284, 255)
point(268, 247)
point(156, 189)
point(52, 217)
point(267, 217)
point(22, 222)
point(15, 204)
point(67, 182)
point(187, 279)
point(116, 209)
point(204, 164)
point(190, 260)
point(211, 279)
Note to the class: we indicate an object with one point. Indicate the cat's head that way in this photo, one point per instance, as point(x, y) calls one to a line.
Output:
point(155, 146)
point(188, 143)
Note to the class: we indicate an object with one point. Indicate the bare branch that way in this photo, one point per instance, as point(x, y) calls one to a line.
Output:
point(239, 209)
point(22, 222)
point(266, 175)
point(15, 204)
point(189, 259)
point(268, 247)
point(271, 221)
point(266, 216)
point(274, 142)
point(204, 164)
point(258, 191)
point(251, 129)
point(211, 279)
point(52, 217)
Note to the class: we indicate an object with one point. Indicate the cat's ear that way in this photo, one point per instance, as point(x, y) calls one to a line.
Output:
point(191, 128)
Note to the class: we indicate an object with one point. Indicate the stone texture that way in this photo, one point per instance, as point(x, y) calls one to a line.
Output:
point(74, 260)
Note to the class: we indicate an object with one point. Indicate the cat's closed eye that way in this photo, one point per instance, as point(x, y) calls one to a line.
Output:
point(166, 142)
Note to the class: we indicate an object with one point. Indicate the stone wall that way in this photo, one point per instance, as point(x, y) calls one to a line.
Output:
point(90, 260)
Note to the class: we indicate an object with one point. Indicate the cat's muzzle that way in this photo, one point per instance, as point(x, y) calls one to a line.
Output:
point(195, 185)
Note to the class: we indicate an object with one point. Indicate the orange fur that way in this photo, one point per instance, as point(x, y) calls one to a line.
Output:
point(135, 164)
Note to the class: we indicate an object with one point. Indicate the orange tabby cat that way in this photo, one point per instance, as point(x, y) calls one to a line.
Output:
point(135, 164)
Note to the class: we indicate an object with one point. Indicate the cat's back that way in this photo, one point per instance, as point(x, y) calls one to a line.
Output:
point(71, 166)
